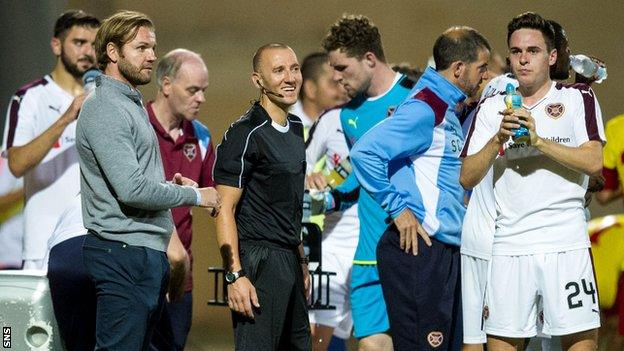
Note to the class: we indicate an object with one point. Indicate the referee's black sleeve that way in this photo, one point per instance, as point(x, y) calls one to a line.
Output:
point(235, 155)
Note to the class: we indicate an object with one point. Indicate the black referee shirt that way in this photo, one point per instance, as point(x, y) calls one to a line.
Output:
point(269, 165)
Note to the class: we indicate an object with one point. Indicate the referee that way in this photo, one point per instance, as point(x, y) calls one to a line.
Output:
point(259, 172)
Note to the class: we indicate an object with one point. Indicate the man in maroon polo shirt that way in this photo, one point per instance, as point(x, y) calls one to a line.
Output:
point(186, 148)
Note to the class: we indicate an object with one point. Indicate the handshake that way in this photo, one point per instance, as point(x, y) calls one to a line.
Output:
point(210, 198)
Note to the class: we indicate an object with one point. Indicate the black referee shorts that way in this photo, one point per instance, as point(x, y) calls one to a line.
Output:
point(422, 293)
point(281, 322)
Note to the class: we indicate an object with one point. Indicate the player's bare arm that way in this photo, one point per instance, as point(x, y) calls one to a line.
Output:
point(306, 272)
point(180, 267)
point(474, 167)
point(241, 293)
point(586, 158)
point(24, 158)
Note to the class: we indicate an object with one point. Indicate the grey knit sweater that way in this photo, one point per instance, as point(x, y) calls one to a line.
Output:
point(124, 193)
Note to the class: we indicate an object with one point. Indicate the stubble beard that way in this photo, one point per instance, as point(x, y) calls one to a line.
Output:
point(132, 74)
point(72, 68)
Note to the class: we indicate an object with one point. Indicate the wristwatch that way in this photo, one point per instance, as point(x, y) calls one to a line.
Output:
point(230, 277)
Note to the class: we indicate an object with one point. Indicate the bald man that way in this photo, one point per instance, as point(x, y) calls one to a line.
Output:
point(260, 172)
point(186, 149)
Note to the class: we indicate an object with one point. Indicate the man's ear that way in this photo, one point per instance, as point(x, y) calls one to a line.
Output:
point(311, 89)
point(57, 46)
point(165, 85)
point(370, 59)
point(552, 57)
point(113, 52)
point(458, 68)
point(256, 80)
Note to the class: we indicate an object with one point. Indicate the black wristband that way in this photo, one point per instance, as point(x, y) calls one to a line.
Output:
point(304, 260)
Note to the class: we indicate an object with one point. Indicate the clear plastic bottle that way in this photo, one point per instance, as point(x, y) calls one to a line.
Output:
point(514, 101)
point(588, 68)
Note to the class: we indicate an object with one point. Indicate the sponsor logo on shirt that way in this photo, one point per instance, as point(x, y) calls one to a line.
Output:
point(353, 122)
point(390, 111)
point(513, 145)
point(54, 108)
point(560, 140)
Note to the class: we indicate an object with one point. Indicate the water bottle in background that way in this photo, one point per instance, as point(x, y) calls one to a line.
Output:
point(588, 68)
point(316, 202)
point(88, 79)
point(338, 174)
point(514, 101)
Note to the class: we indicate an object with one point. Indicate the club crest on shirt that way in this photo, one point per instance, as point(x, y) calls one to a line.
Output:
point(190, 151)
point(435, 338)
point(555, 110)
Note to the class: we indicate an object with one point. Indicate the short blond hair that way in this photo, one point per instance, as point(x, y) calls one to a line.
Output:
point(119, 29)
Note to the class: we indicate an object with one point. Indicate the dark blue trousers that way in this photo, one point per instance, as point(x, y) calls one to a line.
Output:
point(130, 284)
point(174, 325)
point(73, 295)
point(422, 293)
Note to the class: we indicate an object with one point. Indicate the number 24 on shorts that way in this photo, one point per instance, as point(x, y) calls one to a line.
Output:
point(575, 290)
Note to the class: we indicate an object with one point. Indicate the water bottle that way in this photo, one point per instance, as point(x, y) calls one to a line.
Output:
point(316, 202)
point(88, 79)
point(338, 174)
point(588, 68)
point(514, 101)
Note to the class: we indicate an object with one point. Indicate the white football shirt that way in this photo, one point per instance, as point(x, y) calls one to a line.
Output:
point(341, 229)
point(49, 186)
point(478, 227)
point(539, 202)
point(12, 221)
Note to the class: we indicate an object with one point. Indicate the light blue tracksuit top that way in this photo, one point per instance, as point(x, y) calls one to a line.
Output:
point(411, 160)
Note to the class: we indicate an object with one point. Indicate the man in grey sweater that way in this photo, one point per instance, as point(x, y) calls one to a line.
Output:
point(125, 198)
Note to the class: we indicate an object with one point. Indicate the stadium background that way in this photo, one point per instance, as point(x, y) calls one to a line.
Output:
point(226, 33)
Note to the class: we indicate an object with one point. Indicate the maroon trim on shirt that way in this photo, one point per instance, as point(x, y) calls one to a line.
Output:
point(589, 103)
point(464, 151)
point(14, 108)
point(438, 105)
point(611, 178)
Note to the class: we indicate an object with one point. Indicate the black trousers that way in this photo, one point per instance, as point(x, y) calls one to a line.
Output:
point(130, 283)
point(73, 295)
point(422, 293)
point(281, 322)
